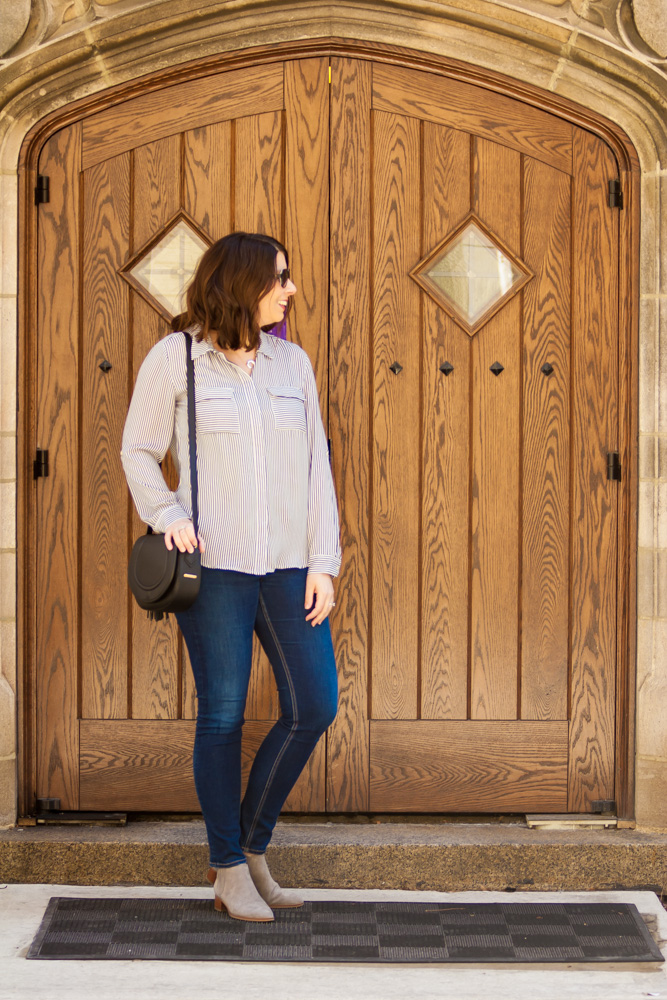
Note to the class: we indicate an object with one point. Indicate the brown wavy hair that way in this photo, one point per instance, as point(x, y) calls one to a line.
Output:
point(223, 297)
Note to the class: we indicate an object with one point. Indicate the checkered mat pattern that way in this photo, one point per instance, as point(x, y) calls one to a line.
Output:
point(346, 932)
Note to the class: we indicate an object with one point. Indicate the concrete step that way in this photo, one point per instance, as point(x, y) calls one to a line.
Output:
point(444, 856)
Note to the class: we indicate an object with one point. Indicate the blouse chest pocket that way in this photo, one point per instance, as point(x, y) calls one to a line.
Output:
point(216, 411)
point(288, 406)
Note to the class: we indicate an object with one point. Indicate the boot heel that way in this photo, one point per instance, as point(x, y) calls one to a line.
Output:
point(218, 903)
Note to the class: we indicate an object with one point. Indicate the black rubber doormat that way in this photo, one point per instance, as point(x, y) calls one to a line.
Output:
point(191, 929)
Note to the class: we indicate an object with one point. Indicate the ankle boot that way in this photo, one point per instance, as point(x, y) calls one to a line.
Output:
point(276, 897)
point(235, 892)
point(267, 887)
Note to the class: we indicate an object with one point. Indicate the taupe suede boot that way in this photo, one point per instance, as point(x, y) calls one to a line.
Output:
point(267, 887)
point(235, 892)
point(276, 897)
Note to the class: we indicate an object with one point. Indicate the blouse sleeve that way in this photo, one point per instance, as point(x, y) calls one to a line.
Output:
point(324, 553)
point(147, 436)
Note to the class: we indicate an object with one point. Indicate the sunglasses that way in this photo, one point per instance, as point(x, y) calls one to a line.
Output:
point(283, 276)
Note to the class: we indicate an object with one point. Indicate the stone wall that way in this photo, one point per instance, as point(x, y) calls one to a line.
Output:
point(608, 55)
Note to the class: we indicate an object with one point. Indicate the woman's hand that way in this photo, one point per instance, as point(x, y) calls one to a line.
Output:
point(319, 587)
point(182, 535)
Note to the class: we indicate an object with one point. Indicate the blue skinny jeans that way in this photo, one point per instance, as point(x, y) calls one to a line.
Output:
point(218, 631)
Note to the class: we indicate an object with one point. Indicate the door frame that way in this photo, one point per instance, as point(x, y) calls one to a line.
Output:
point(628, 394)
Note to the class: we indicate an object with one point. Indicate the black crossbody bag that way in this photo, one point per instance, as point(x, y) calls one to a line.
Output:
point(164, 581)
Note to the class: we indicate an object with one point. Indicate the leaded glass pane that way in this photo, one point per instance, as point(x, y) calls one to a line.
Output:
point(167, 268)
point(473, 273)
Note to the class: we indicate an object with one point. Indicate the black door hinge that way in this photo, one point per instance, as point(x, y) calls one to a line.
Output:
point(49, 811)
point(603, 806)
point(615, 194)
point(613, 465)
point(40, 466)
point(42, 190)
point(48, 805)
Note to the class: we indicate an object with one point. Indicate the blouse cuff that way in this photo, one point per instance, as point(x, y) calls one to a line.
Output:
point(324, 564)
point(170, 516)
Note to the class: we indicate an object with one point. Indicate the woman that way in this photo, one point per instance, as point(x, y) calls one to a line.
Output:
point(268, 537)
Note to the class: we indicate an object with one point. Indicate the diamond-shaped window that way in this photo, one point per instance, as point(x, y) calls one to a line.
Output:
point(162, 270)
point(471, 274)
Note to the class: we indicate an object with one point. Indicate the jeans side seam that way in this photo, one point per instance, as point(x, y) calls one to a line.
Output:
point(295, 713)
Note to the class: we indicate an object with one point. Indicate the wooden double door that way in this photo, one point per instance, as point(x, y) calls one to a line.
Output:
point(475, 625)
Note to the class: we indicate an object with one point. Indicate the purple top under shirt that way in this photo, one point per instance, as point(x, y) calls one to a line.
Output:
point(279, 330)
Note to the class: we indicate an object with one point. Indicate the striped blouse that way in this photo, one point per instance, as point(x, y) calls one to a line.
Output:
point(266, 493)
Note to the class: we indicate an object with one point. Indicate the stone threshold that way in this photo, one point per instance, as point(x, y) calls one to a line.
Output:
point(444, 856)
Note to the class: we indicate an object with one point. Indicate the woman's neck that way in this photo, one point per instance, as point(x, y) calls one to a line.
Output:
point(239, 357)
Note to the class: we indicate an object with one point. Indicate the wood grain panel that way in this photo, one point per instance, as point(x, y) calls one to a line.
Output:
point(138, 765)
point(594, 521)
point(183, 106)
point(207, 177)
point(257, 208)
point(56, 571)
point(156, 186)
point(156, 199)
point(495, 458)
point(104, 496)
point(395, 431)
point(146, 766)
point(474, 109)
point(307, 210)
point(258, 174)
point(188, 689)
point(349, 368)
point(445, 409)
point(466, 766)
point(546, 438)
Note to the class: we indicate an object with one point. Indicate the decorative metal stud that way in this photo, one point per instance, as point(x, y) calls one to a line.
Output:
point(446, 368)
point(395, 368)
point(106, 366)
point(496, 368)
point(547, 368)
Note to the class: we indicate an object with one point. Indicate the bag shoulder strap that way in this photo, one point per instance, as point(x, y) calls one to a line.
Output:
point(192, 435)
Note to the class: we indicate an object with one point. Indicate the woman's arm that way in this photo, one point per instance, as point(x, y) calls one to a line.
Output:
point(148, 432)
point(324, 555)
